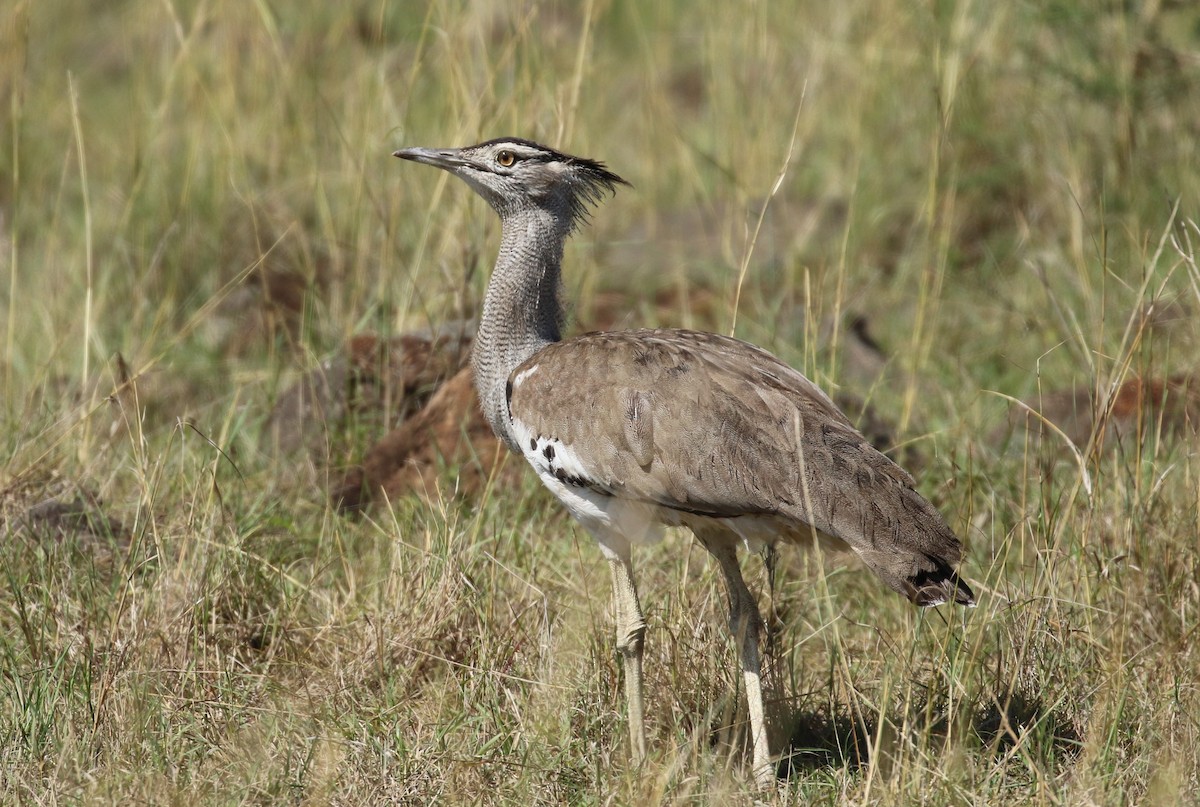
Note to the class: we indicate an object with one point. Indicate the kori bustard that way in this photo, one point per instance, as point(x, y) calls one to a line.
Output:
point(633, 430)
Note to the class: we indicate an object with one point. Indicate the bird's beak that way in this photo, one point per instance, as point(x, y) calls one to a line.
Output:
point(442, 158)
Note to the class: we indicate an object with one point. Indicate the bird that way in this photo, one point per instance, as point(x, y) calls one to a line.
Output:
point(637, 430)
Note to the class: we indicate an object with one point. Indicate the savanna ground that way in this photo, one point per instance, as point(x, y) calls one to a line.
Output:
point(1008, 191)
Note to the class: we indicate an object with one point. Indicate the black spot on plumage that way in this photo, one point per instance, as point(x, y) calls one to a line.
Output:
point(548, 451)
point(570, 479)
point(533, 444)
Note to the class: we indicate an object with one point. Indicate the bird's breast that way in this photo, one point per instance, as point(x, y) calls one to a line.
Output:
point(592, 502)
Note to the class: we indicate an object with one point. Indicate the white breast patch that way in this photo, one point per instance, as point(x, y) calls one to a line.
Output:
point(607, 517)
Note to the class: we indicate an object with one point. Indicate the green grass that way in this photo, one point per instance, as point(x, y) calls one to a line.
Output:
point(1001, 187)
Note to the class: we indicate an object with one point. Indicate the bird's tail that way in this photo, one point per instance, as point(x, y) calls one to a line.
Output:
point(937, 584)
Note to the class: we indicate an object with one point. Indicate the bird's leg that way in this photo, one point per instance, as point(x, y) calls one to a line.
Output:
point(631, 630)
point(746, 623)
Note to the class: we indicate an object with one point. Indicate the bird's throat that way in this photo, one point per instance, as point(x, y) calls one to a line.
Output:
point(522, 312)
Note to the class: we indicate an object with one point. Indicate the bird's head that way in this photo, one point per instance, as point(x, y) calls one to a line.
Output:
point(514, 174)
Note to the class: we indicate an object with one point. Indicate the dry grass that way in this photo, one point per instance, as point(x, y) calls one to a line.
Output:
point(197, 206)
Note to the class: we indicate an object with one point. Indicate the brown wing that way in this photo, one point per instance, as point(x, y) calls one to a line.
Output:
point(711, 425)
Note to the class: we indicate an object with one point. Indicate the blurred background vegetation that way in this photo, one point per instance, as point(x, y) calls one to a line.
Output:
point(200, 195)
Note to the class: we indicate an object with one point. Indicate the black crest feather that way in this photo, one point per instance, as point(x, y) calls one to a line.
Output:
point(588, 179)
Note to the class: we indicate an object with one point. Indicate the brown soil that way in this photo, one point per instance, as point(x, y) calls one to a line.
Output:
point(450, 431)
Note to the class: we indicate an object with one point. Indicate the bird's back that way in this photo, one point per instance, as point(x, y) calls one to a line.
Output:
point(698, 428)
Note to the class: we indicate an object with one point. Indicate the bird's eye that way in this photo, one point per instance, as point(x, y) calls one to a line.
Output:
point(506, 158)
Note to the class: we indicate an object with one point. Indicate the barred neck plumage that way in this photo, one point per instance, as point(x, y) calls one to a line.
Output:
point(522, 311)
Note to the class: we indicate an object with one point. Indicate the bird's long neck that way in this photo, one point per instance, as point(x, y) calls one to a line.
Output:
point(522, 312)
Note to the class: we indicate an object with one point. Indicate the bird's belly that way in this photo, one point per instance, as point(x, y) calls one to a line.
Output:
point(625, 521)
point(608, 516)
